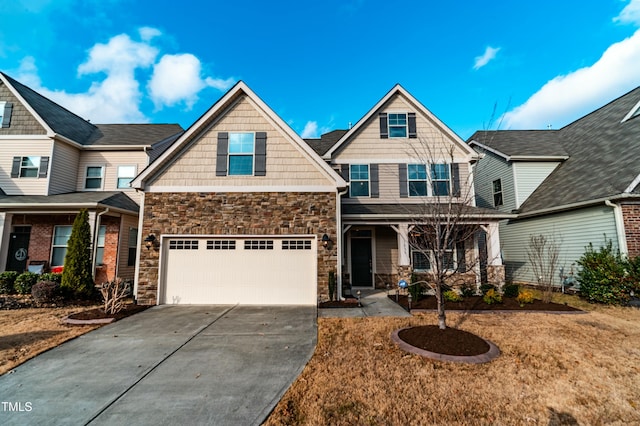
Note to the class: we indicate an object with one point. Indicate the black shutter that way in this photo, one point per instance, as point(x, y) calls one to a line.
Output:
point(221, 156)
point(261, 154)
point(6, 117)
point(44, 167)
point(455, 175)
point(373, 179)
point(402, 174)
point(384, 129)
point(412, 125)
point(15, 167)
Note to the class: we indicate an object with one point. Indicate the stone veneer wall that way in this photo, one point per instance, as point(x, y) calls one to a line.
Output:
point(631, 215)
point(264, 213)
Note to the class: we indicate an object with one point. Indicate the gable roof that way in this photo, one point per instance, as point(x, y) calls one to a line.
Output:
point(218, 109)
point(603, 148)
point(58, 120)
point(521, 144)
point(395, 91)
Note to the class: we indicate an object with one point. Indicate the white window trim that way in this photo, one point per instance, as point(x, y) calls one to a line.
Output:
point(253, 153)
point(135, 172)
point(102, 246)
point(39, 157)
point(406, 124)
point(102, 177)
point(360, 180)
point(54, 245)
point(432, 181)
point(494, 193)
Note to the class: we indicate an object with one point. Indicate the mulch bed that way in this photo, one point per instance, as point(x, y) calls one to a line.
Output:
point(98, 313)
point(475, 303)
point(449, 341)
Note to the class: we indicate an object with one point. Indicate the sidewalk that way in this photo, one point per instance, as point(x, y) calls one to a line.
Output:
point(375, 303)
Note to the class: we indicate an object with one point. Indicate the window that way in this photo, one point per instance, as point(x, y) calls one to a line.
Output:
point(241, 150)
point(221, 245)
point(440, 179)
point(420, 261)
point(359, 180)
point(183, 245)
point(102, 232)
point(497, 193)
point(61, 236)
point(397, 125)
point(133, 246)
point(93, 177)
point(258, 245)
point(29, 166)
point(5, 113)
point(125, 176)
point(417, 179)
point(296, 245)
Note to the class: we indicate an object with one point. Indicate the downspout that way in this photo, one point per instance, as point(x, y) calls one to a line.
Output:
point(339, 238)
point(96, 232)
point(619, 218)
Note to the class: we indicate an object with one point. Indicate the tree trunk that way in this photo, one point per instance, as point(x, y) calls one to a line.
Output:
point(442, 317)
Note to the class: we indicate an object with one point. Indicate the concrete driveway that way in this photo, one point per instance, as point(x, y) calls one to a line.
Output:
point(167, 365)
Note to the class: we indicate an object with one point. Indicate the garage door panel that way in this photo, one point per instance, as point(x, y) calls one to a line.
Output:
point(247, 271)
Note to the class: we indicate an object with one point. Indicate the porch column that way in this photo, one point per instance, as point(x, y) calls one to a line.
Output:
point(5, 238)
point(402, 230)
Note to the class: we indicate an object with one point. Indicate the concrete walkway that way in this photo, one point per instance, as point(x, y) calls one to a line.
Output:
point(222, 365)
point(375, 303)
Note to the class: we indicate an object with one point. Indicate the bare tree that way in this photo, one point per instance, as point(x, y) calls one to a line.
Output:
point(544, 255)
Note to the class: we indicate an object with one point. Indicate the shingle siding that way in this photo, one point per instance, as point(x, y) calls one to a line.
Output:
point(22, 121)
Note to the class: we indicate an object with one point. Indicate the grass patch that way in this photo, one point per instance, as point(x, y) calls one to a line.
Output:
point(554, 369)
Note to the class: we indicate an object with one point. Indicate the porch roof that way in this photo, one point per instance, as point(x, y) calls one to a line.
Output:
point(73, 200)
point(413, 212)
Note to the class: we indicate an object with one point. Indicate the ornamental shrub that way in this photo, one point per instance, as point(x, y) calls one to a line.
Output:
point(468, 290)
point(51, 276)
point(491, 297)
point(510, 290)
point(484, 288)
point(7, 282)
point(603, 277)
point(25, 281)
point(45, 292)
point(525, 296)
point(452, 296)
point(77, 279)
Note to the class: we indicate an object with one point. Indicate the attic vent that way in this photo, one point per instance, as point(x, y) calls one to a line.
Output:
point(5, 114)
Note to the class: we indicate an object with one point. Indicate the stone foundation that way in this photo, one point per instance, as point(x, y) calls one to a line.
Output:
point(496, 275)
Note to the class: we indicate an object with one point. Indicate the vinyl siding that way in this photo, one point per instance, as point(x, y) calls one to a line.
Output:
point(64, 162)
point(126, 272)
point(528, 176)
point(573, 231)
point(488, 169)
point(22, 121)
point(386, 242)
point(111, 160)
point(23, 186)
point(286, 165)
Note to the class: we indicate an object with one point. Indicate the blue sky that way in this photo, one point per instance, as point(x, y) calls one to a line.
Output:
point(323, 64)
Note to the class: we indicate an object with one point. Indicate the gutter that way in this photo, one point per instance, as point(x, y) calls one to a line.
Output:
point(619, 218)
point(340, 238)
point(96, 231)
point(573, 206)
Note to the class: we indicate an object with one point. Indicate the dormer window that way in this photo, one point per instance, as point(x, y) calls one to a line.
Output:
point(397, 125)
point(5, 113)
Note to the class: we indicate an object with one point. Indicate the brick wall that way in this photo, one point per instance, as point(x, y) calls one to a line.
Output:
point(631, 215)
point(107, 271)
point(236, 214)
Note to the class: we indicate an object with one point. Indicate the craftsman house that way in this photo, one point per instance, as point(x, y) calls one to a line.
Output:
point(240, 209)
point(54, 163)
point(577, 185)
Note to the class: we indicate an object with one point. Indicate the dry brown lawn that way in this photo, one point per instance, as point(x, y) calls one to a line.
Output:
point(554, 369)
point(24, 333)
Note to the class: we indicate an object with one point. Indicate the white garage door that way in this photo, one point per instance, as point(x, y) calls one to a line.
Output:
point(256, 271)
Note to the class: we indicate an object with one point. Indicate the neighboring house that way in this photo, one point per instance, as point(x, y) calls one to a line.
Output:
point(54, 163)
point(240, 209)
point(576, 186)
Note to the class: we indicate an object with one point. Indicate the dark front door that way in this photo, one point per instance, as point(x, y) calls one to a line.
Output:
point(18, 250)
point(361, 262)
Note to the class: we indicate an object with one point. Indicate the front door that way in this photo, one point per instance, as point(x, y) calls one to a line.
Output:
point(361, 267)
point(18, 249)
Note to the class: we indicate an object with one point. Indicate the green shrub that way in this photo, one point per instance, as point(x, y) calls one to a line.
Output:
point(468, 290)
point(484, 288)
point(633, 274)
point(603, 277)
point(415, 290)
point(7, 282)
point(25, 281)
point(452, 296)
point(51, 276)
point(511, 290)
point(45, 292)
point(77, 279)
point(491, 297)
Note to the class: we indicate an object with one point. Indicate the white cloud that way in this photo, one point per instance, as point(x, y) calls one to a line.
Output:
point(118, 97)
point(176, 79)
point(310, 130)
point(488, 55)
point(568, 97)
point(630, 14)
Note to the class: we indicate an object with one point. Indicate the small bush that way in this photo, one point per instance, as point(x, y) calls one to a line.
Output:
point(511, 290)
point(114, 295)
point(25, 281)
point(416, 291)
point(491, 297)
point(468, 290)
point(451, 296)
point(484, 288)
point(51, 276)
point(7, 282)
point(45, 292)
point(525, 296)
point(603, 277)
